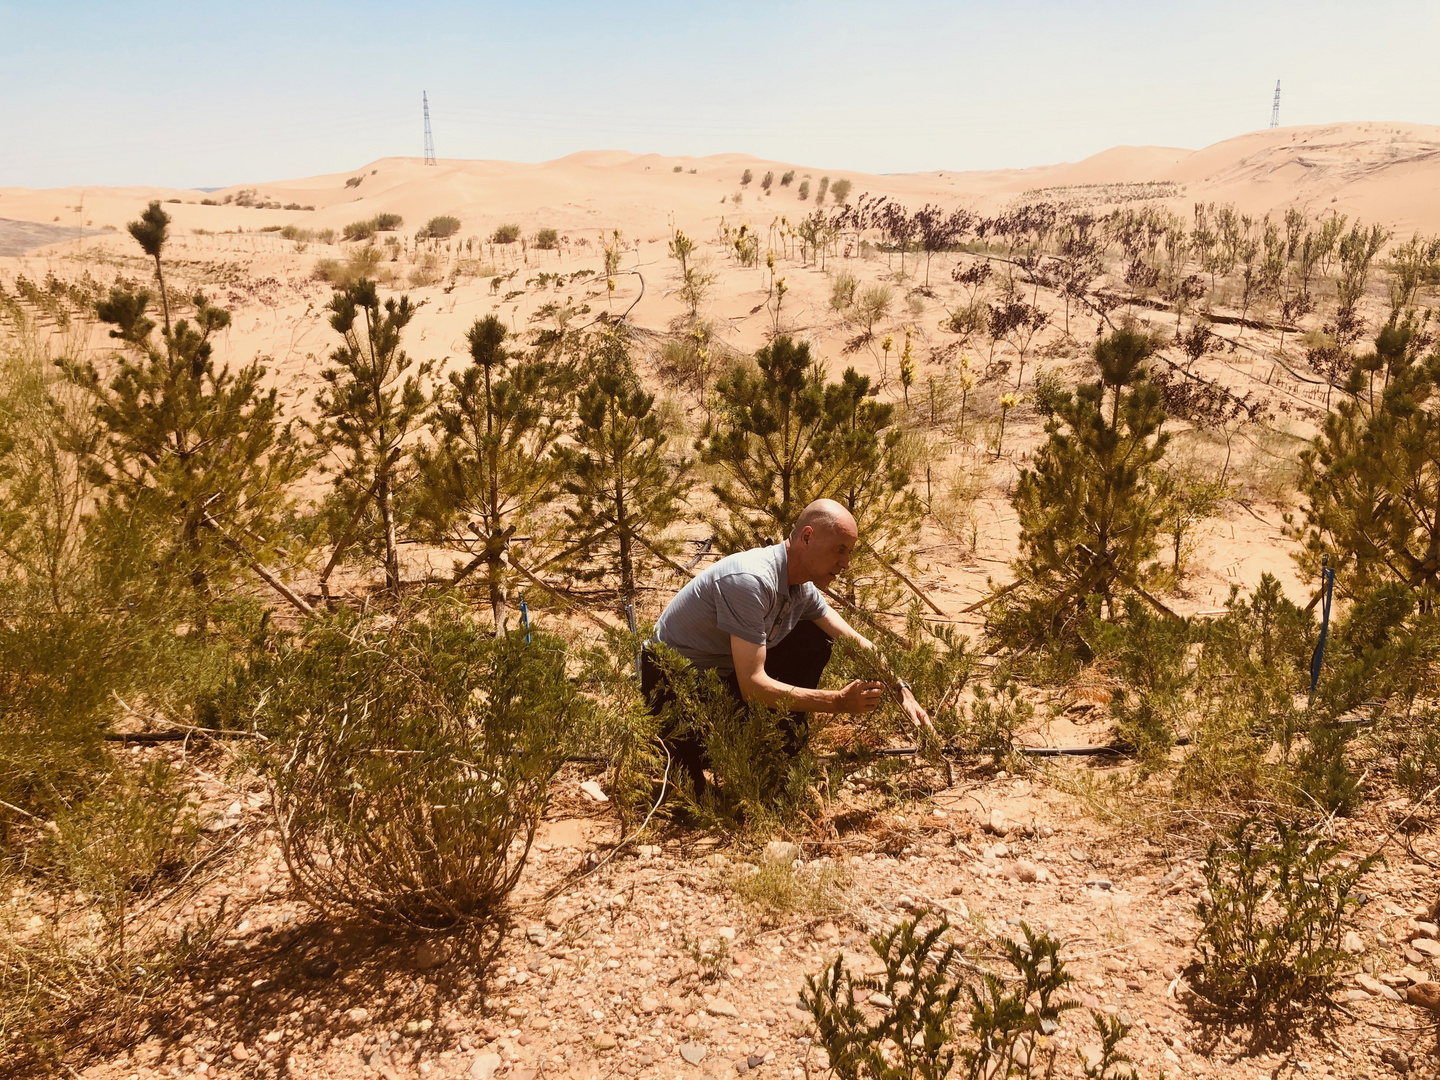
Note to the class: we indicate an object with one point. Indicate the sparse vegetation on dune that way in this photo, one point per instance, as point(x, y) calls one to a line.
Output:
point(352, 655)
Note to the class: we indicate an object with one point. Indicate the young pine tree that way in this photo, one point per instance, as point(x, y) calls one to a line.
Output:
point(492, 467)
point(367, 408)
point(1372, 477)
point(785, 437)
point(627, 485)
point(764, 442)
point(1089, 509)
point(193, 458)
point(866, 464)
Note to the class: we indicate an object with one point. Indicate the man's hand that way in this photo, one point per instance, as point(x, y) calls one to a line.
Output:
point(913, 709)
point(860, 697)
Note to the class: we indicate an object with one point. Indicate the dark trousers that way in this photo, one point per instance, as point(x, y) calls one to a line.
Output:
point(799, 660)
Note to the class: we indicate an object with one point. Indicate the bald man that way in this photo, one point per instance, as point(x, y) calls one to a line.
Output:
point(759, 619)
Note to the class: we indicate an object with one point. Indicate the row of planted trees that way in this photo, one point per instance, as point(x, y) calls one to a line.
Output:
point(1223, 262)
point(556, 443)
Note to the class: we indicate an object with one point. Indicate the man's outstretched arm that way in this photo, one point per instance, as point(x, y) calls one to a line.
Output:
point(757, 685)
point(834, 624)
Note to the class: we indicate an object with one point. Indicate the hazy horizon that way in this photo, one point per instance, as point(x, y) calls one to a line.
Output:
point(173, 96)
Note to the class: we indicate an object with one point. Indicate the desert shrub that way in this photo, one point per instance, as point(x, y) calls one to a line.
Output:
point(993, 719)
point(55, 707)
point(359, 230)
point(125, 832)
point(871, 305)
point(547, 239)
point(426, 272)
point(1416, 745)
point(842, 290)
point(746, 177)
point(1322, 777)
point(789, 176)
point(840, 191)
point(620, 729)
point(1150, 654)
point(410, 759)
point(969, 319)
point(932, 657)
point(760, 775)
point(505, 234)
point(780, 888)
point(295, 232)
point(677, 168)
point(441, 227)
point(388, 222)
point(1188, 495)
point(931, 1016)
point(342, 273)
point(354, 181)
point(803, 192)
point(821, 189)
point(767, 180)
point(1269, 942)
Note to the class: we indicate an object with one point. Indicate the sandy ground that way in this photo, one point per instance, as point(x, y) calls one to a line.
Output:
point(652, 966)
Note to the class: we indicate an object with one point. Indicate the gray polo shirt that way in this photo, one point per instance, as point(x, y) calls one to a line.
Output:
point(746, 594)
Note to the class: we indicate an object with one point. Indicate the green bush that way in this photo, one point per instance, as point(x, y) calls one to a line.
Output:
point(359, 230)
point(1270, 936)
point(787, 178)
point(121, 836)
point(409, 760)
point(388, 222)
point(547, 239)
point(505, 234)
point(55, 707)
point(757, 783)
point(442, 227)
point(842, 290)
point(917, 1026)
point(342, 273)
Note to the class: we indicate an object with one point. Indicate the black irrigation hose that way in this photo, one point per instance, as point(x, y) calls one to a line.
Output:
point(150, 738)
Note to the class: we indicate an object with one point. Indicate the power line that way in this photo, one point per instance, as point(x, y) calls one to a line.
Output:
point(1274, 109)
point(430, 139)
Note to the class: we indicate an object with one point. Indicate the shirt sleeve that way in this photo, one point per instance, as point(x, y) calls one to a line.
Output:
point(811, 602)
point(740, 607)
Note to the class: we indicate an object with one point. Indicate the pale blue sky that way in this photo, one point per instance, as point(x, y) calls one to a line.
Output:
point(192, 94)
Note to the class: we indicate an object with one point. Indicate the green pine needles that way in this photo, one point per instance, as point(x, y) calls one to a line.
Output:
point(1090, 509)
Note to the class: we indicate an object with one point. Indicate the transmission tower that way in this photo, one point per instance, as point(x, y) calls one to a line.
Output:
point(1274, 110)
point(430, 139)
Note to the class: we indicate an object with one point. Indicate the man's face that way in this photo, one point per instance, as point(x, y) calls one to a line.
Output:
point(828, 550)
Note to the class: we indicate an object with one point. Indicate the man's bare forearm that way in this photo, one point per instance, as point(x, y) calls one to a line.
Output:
point(795, 698)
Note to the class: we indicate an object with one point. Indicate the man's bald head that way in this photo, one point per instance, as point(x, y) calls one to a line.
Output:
point(821, 543)
point(825, 515)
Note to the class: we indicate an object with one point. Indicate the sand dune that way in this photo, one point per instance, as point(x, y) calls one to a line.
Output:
point(1385, 172)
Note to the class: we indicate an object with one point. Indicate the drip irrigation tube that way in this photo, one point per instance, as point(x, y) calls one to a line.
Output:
point(150, 738)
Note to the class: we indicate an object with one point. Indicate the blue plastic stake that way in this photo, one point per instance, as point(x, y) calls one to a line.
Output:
point(525, 617)
point(1327, 583)
point(630, 619)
